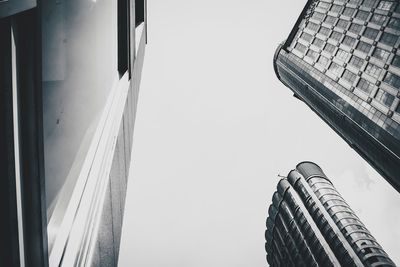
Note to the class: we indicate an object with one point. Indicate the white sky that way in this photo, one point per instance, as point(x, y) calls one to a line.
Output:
point(214, 128)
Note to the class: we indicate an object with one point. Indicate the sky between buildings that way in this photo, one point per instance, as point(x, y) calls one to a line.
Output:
point(215, 127)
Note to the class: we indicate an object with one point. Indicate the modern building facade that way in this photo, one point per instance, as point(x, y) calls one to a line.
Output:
point(69, 82)
point(310, 224)
point(342, 59)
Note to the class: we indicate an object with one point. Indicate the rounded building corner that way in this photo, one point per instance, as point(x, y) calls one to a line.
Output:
point(275, 59)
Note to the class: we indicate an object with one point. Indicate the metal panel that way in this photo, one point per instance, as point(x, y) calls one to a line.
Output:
point(11, 7)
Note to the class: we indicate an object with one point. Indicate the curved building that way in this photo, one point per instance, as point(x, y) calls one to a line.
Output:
point(310, 224)
point(342, 59)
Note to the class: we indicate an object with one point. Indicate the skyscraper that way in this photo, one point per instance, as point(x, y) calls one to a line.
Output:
point(69, 81)
point(342, 59)
point(310, 224)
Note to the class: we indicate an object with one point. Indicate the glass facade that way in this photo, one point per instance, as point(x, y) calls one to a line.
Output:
point(79, 68)
point(345, 53)
point(310, 224)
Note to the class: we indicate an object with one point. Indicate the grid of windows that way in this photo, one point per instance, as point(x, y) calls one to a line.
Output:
point(370, 38)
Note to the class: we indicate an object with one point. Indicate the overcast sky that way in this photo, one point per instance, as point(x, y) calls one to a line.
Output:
point(215, 127)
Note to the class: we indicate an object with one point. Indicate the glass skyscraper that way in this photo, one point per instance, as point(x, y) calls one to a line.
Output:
point(310, 224)
point(342, 59)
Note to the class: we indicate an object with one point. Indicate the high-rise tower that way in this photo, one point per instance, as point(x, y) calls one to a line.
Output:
point(342, 59)
point(310, 224)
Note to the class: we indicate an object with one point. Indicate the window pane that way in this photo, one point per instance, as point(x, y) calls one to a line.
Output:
point(79, 68)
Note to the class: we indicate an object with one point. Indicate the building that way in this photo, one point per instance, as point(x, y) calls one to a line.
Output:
point(69, 79)
point(342, 59)
point(310, 224)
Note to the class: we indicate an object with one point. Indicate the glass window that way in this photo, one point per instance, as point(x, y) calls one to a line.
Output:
point(318, 42)
point(396, 61)
point(370, 3)
point(389, 39)
point(323, 61)
point(355, 28)
point(386, 5)
point(306, 36)
point(370, 33)
point(323, 5)
point(348, 11)
point(373, 70)
point(342, 23)
point(335, 68)
point(318, 16)
point(79, 44)
point(324, 30)
point(329, 48)
point(343, 55)
point(330, 19)
point(393, 80)
point(381, 54)
point(312, 26)
point(394, 23)
point(336, 35)
point(384, 97)
point(336, 8)
point(356, 61)
point(378, 19)
point(362, 15)
point(364, 47)
point(300, 47)
point(349, 76)
point(365, 86)
point(350, 41)
point(312, 54)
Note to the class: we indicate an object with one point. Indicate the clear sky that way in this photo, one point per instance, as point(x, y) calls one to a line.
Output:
point(215, 127)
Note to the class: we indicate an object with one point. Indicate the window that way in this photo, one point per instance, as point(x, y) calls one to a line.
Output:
point(378, 19)
point(393, 80)
point(336, 8)
point(389, 39)
point(365, 86)
point(323, 5)
point(312, 26)
point(318, 16)
point(396, 61)
point(336, 36)
point(80, 66)
point(386, 5)
point(323, 61)
point(306, 36)
point(355, 28)
point(348, 11)
point(330, 20)
point(370, 33)
point(381, 54)
point(364, 47)
point(349, 41)
point(318, 42)
point(324, 30)
point(384, 97)
point(356, 61)
point(300, 47)
point(329, 48)
point(349, 76)
point(394, 23)
point(343, 55)
point(312, 54)
point(139, 12)
point(370, 3)
point(373, 70)
point(335, 68)
point(362, 15)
